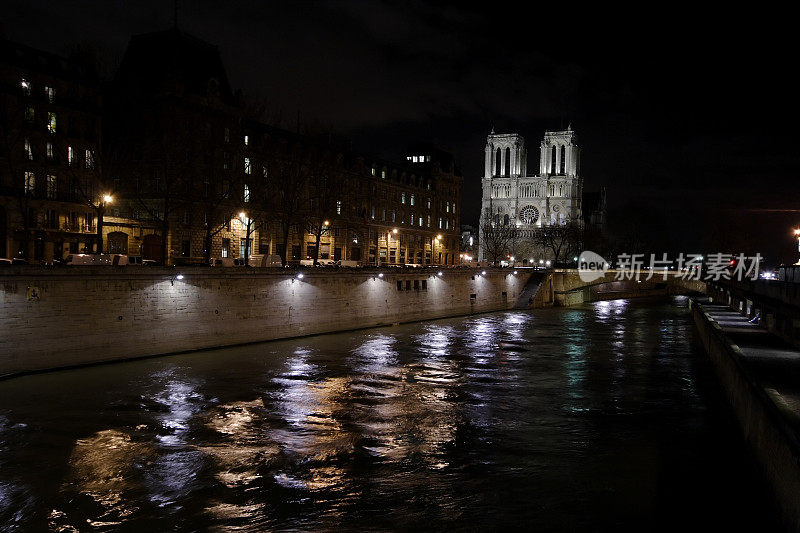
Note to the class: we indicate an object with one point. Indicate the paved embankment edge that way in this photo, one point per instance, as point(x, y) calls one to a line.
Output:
point(773, 441)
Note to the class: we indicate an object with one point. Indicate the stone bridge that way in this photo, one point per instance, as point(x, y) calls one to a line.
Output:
point(564, 287)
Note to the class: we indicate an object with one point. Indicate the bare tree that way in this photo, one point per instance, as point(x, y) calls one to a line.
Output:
point(497, 240)
point(286, 191)
point(561, 240)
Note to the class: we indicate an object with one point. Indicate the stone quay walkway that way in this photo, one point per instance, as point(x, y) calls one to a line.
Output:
point(771, 362)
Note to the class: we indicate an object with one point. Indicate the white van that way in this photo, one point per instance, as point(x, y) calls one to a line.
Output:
point(88, 259)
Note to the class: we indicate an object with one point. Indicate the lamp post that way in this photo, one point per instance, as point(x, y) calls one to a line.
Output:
point(101, 212)
point(246, 221)
point(439, 242)
point(797, 234)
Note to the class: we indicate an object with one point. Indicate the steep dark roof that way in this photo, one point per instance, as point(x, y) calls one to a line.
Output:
point(170, 60)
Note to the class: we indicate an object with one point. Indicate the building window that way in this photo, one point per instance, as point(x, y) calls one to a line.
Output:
point(402, 197)
point(50, 152)
point(29, 114)
point(226, 188)
point(70, 155)
point(226, 160)
point(28, 150)
point(30, 183)
point(448, 207)
point(227, 136)
point(553, 160)
point(52, 187)
point(497, 163)
point(412, 200)
point(247, 140)
point(226, 247)
point(51, 122)
point(246, 193)
point(394, 215)
point(383, 174)
point(338, 207)
point(373, 171)
point(440, 222)
point(89, 159)
point(373, 212)
point(26, 87)
point(383, 214)
point(51, 94)
point(247, 165)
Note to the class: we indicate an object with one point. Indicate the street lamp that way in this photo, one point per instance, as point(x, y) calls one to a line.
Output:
point(797, 234)
point(101, 212)
point(245, 220)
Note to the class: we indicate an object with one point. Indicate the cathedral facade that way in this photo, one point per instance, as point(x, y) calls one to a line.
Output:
point(512, 196)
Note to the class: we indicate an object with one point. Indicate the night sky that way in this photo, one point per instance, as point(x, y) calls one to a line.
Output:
point(687, 117)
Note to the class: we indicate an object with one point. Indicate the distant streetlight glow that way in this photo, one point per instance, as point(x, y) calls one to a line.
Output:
point(440, 273)
point(108, 198)
point(300, 275)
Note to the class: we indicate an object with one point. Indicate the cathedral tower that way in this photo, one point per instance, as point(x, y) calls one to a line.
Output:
point(560, 155)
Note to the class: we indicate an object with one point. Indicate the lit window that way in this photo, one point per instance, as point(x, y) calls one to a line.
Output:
point(402, 197)
point(429, 221)
point(338, 207)
point(412, 199)
point(440, 222)
point(383, 215)
point(52, 187)
point(246, 193)
point(415, 159)
point(394, 215)
point(247, 140)
point(89, 159)
point(383, 174)
point(30, 182)
point(264, 172)
point(420, 221)
point(373, 212)
point(50, 153)
point(411, 220)
point(373, 171)
point(28, 151)
point(51, 94)
point(448, 207)
point(70, 155)
point(408, 158)
point(26, 87)
point(247, 165)
point(51, 122)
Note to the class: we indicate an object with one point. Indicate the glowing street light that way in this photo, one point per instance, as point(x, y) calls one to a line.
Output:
point(326, 223)
point(108, 198)
point(394, 231)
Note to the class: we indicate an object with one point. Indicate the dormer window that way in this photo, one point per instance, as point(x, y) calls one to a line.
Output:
point(26, 87)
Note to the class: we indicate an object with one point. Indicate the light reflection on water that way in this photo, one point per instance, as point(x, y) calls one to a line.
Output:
point(594, 417)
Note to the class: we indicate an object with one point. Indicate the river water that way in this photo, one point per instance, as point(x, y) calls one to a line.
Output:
point(600, 417)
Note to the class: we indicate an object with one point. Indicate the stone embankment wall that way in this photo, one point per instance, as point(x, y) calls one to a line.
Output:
point(58, 317)
point(775, 444)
